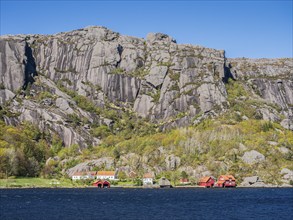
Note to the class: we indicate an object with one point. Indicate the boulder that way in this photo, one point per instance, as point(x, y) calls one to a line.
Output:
point(63, 105)
point(287, 175)
point(252, 181)
point(253, 156)
point(284, 150)
point(287, 123)
point(5, 95)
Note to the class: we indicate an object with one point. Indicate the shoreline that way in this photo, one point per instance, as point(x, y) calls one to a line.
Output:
point(138, 187)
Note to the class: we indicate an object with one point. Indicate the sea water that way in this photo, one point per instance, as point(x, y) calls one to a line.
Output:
point(120, 203)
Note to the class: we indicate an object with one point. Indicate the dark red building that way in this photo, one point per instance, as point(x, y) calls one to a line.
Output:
point(207, 181)
point(226, 181)
point(102, 184)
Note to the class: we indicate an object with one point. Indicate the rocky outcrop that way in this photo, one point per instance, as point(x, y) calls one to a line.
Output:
point(101, 163)
point(172, 162)
point(167, 83)
point(253, 181)
point(269, 79)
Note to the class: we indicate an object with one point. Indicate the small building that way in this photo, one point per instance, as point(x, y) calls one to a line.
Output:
point(184, 181)
point(226, 181)
point(148, 179)
point(84, 175)
point(90, 175)
point(206, 181)
point(164, 183)
point(107, 175)
point(77, 176)
point(102, 184)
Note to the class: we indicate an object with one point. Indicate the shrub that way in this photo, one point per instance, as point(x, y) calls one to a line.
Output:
point(101, 131)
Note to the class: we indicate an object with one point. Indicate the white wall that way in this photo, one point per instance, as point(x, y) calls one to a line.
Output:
point(105, 177)
point(147, 180)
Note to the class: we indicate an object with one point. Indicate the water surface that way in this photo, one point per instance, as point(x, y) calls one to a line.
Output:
point(118, 203)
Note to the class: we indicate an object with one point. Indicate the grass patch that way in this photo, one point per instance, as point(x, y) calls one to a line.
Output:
point(35, 182)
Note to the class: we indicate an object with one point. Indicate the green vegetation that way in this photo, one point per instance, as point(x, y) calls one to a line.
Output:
point(156, 96)
point(117, 71)
point(215, 143)
point(44, 95)
point(23, 150)
point(174, 76)
point(35, 182)
point(2, 86)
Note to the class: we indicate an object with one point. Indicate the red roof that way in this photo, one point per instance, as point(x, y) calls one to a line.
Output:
point(224, 178)
point(79, 174)
point(148, 175)
point(205, 179)
point(184, 180)
point(106, 173)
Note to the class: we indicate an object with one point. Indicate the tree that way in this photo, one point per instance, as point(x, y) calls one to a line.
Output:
point(121, 175)
point(184, 175)
point(175, 176)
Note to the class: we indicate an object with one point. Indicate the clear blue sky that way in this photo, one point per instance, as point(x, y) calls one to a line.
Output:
point(243, 28)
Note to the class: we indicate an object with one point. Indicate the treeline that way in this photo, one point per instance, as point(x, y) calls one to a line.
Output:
point(24, 150)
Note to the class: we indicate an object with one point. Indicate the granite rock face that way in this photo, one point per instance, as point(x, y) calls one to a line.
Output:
point(165, 82)
point(271, 80)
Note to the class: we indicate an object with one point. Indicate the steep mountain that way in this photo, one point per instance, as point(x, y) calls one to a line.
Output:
point(87, 84)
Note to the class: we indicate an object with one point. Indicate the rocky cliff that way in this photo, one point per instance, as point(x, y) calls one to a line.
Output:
point(44, 79)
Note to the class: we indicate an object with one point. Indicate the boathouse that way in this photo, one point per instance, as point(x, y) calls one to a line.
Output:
point(184, 181)
point(102, 184)
point(207, 181)
point(226, 181)
point(164, 183)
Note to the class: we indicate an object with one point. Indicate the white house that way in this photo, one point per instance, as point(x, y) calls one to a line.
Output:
point(83, 175)
point(148, 179)
point(77, 176)
point(107, 175)
point(90, 175)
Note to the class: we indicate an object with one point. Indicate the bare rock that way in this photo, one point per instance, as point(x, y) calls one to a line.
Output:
point(103, 163)
point(172, 162)
point(5, 95)
point(152, 37)
point(287, 123)
point(157, 75)
point(251, 157)
point(287, 175)
point(63, 105)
